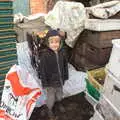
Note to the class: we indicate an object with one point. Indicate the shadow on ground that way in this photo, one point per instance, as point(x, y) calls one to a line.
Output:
point(77, 108)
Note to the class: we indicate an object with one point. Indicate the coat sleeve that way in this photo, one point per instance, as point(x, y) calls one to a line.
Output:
point(42, 71)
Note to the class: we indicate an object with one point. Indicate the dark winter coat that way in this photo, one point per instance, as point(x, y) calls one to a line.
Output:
point(53, 68)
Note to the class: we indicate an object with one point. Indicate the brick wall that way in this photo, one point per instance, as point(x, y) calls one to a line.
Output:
point(41, 6)
point(37, 6)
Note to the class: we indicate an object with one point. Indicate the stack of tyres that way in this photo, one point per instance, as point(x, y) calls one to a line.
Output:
point(8, 53)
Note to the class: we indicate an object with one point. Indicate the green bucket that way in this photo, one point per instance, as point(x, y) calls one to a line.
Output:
point(93, 91)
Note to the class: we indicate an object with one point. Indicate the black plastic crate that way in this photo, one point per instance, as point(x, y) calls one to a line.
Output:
point(99, 56)
point(101, 39)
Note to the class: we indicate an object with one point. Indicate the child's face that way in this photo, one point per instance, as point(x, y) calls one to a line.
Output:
point(54, 43)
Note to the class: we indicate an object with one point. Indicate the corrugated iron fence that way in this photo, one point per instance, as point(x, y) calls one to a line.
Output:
point(8, 54)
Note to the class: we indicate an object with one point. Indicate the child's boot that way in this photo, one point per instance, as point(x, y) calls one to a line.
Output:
point(61, 107)
point(51, 115)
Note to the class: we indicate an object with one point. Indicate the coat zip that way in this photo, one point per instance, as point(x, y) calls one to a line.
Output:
point(59, 70)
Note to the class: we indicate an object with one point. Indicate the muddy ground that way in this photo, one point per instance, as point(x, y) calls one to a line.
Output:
point(77, 108)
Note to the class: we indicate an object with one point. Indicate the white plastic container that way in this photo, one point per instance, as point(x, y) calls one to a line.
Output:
point(114, 61)
point(97, 116)
point(105, 110)
point(102, 25)
point(112, 90)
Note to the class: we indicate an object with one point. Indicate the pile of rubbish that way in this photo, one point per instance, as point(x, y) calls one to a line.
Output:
point(31, 30)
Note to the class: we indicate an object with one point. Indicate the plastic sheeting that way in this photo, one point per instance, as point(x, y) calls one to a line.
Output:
point(25, 63)
point(104, 10)
point(19, 95)
point(69, 17)
point(19, 17)
point(76, 82)
point(24, 60)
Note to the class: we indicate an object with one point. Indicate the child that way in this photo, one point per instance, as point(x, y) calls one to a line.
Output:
point(53, 69)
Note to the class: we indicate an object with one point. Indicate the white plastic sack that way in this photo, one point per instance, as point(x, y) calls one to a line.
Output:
point(23, 54)
point(34, 16)
point(24, 61)
point(18, 18)
point(19, 95)
point(105, 10)
point(69, 17)
point(41, 100)
point(76, 82)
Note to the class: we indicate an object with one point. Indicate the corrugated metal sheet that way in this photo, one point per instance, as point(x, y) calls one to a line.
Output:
point(8, 53)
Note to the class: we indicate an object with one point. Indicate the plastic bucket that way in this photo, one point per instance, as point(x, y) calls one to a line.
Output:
point(97, 77)
point(92, 90)
point(114, 61)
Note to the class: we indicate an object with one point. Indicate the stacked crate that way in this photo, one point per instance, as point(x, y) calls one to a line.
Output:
point(93, 48)
point(108, 107)
point(98, 45)
point(112, 81)
point(8, 55)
